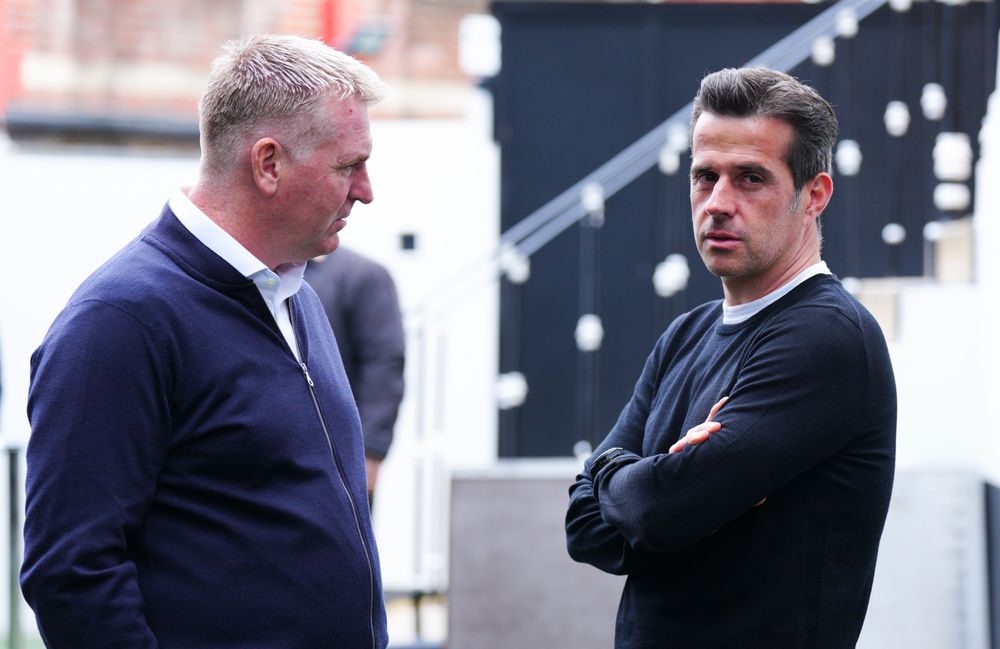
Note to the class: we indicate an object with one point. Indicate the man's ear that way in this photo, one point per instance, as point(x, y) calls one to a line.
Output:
point(820, 190)
point(267, 163)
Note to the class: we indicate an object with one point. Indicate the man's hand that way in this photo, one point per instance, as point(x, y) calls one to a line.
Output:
point(371, 469)
point(702, 431)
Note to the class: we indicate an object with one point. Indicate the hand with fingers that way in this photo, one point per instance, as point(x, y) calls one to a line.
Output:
point(702, 431)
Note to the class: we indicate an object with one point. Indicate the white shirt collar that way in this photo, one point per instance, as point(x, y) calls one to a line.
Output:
point(274, 286)
point(742, 312)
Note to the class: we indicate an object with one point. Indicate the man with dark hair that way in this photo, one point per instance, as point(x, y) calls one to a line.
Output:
point(196, 472)
point(744, 487)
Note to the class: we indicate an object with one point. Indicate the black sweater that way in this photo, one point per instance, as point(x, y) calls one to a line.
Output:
point(809, 425)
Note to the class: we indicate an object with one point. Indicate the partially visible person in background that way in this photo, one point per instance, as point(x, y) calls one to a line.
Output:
point(360, 300)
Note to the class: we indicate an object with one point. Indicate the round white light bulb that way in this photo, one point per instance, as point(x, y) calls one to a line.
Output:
point(853, 285)
point(511, 390)
point(847, 23)
point(670, 161)
point(953, 157)
point(848, 157)
point(897, 118)
point(516, 266)
point(671, 275)
point(592, 197)
point(582, 449)
point(677, 137)
point(933, 101)
point(952, 197)
point(934, 231)
point(893, 234)
point(589, 332)
point(824, 51)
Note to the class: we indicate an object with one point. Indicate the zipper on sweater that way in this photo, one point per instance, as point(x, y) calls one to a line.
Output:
point(350, 499)
point(340, 474)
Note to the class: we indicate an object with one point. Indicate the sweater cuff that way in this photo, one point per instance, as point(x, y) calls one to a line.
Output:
point(609, 468)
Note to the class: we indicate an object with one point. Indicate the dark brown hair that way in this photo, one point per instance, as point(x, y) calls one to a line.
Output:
point(759, 92)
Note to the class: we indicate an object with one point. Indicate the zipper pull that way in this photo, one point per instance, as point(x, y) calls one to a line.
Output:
point(305, 371)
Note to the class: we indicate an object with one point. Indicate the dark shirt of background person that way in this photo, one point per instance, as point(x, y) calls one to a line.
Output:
point(360, 300)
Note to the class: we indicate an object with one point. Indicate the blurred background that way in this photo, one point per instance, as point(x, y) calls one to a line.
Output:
point(530, 179)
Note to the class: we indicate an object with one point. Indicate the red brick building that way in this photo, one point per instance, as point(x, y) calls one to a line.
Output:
point(101, 63)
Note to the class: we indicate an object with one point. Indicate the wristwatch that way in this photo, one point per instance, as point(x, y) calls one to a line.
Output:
point(604, 459)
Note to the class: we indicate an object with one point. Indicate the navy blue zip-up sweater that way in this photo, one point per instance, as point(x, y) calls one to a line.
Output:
point(810, 425)
point(190, 484)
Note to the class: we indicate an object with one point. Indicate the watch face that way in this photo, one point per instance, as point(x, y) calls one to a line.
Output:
point(606, 457)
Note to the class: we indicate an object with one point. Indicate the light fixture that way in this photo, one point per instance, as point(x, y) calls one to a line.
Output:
point(953, 157)
point(669, 161)
point(592, 197)
point(897, 118)
point(511, 390)
point(852, 285)
point(671, 275)
point(589, 332)
point(678, 137)
point(848, 157)
point(933, 101)
point(847, 23)
point(934, 231)
point(824, 51)
point(893, 234)
point(900, 5)
point(952, 197)
point(515, 265)
point(582, 450)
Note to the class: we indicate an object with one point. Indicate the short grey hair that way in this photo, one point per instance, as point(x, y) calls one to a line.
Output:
point(759, 92)
point(270, 79)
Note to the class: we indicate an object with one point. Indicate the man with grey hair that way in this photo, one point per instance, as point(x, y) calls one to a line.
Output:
point(744, 487)
point(196, 467)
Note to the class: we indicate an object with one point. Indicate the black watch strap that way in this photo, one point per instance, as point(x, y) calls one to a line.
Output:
point(604, 459)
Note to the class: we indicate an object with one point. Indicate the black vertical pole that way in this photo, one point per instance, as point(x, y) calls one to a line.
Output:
point(14, 556)
point(587, 372)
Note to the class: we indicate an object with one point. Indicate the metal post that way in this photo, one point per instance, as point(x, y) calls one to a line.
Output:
point(14, 545)
point(587, 365)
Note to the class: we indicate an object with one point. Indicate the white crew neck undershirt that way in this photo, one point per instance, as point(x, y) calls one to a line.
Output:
point(742, 312)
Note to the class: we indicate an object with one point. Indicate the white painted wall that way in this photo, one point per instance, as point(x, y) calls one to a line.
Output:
point(947, 352)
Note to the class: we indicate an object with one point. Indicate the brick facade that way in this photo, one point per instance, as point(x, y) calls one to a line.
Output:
point(148, 58)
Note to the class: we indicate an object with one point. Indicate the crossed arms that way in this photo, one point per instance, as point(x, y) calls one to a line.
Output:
point(798, 398)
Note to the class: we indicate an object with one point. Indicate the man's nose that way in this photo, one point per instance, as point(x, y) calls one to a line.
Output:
point(361, 186)
point(722, 201)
